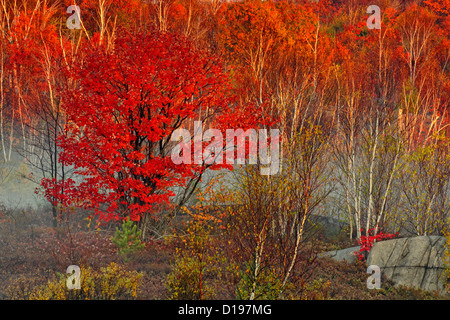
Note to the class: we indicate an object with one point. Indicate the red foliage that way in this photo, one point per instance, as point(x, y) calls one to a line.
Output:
point(366, 241)
point(125, 106)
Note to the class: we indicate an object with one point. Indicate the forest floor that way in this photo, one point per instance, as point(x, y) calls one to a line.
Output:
point(31, 249)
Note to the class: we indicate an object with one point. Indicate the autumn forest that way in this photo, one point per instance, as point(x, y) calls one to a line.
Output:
point(346, 101)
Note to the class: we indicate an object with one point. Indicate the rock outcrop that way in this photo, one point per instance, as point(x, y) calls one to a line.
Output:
point(414, 262)
point(347, 255)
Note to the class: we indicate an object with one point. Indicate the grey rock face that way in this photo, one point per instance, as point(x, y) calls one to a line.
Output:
point(415, 262)
point(347, 254)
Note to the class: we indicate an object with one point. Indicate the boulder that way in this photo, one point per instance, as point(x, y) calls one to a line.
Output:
point(414, 262)
point(347, 254)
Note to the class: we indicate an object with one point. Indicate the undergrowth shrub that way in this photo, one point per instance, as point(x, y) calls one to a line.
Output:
point(195, 270)
point(185, 281)
point(112, 282)
point(79, 248)
point(266, 285)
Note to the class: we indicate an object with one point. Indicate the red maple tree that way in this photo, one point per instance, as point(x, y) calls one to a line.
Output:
point(121, 114)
